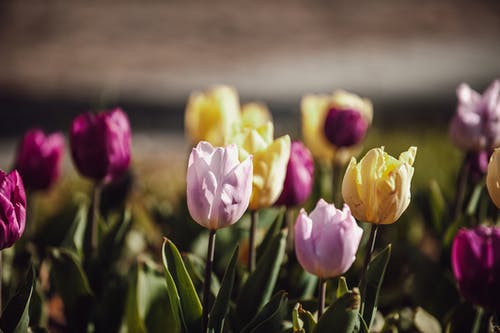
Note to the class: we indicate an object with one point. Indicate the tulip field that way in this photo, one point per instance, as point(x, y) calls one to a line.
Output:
point(345, 226)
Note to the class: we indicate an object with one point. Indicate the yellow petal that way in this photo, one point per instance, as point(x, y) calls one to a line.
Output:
point(255, 115)
point(269, 171)
point(493, 177)
point(342, 99)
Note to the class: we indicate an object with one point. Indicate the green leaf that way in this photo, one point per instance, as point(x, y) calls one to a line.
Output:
point(196, 269)
point(474, 199)
point(220, 308)
point(374, 278)
point(437, 205)
point(148, 308)
point(260, 284)
point(273, 230)
point(72, 284)
point(113, 240)
point(342, 315)
point(15, 318)
point(342, 287)
point(271, 317)
point(190, 304)
point(75, 236)
point(302, 320)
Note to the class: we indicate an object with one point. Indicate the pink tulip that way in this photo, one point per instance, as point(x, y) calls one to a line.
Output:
point(475, 258)
point(218, 185)
point(299, 176)
point(100, 144)
point(327, 240)
point(12, 208)
point(39, 158)
point(476, 124)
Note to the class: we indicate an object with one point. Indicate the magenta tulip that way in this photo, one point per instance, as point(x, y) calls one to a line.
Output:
point(476, 124)
point(39, 158)
point(100, 144)
point(299, 176)
point(345, 128)
point(12, 208)
point(475, 258)
point(327, 240)
point(218, 185)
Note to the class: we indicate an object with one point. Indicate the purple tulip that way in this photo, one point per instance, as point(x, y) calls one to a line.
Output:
point(218, 185)
point(345, 128)
point(100, 144)
point(299, 176)
point(475, 258)
point(39, 158)
point(12, 208)
point(476, 124)
point(327, 240)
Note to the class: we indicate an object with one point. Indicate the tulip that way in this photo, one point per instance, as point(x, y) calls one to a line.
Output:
point(345, 128)
point(254, 115)
point(211, 115)
point(270, 159)
point(475, 258)
point(100, 144)
point(299, 177)
point(493, 177)
point(12, 208)
point(315, 110)
point(39, 158)
point(476, 124)
point(378, 187)
point(218, 193)
point(218, 185)
point(478, 161)
point(326, 242)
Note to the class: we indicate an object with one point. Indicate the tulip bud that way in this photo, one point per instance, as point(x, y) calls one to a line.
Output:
point(345, 128)
point(39, 158)
point(328, 140)
point(100, 144)
point(327, 240)
point(12, 208)
point(210, 115)
point(493, 177)
point(476, 124)
point(255, 115)
point(475, 258)
point(270, 159)
point(218, 185)
point(299, 176)
point(378, 187)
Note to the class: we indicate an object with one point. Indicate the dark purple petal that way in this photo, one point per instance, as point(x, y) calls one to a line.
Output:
point(345, 128)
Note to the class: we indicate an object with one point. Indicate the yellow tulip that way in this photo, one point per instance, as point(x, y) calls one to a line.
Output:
point(314, 109)
point(210, 115)
point(270, 160)
point(377, 189)
point(493, 177)
point(254, 115)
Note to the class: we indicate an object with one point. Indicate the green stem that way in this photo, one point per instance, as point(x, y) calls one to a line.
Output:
point(208, 280)
point(458, 202)
point(253, 230)
point(336, 183)
point(321, 297)
point(477, 320)
point(368, 256)
point(94, 220)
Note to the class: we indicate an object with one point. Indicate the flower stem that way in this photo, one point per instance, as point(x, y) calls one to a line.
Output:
point(94, 220)
point(368, 256)
point(476, 326)
point(336, 182)
point(321, 297)
point(253, 230)
point(458, 201)
point(208, 279)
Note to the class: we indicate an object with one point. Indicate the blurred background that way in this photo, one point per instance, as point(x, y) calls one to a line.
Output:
point(60, 58)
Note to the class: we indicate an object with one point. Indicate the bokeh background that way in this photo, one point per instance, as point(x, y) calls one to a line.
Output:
point(60, 58)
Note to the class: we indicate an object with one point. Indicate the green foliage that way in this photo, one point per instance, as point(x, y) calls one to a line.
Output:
point(343, 314)
point(15, 317)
